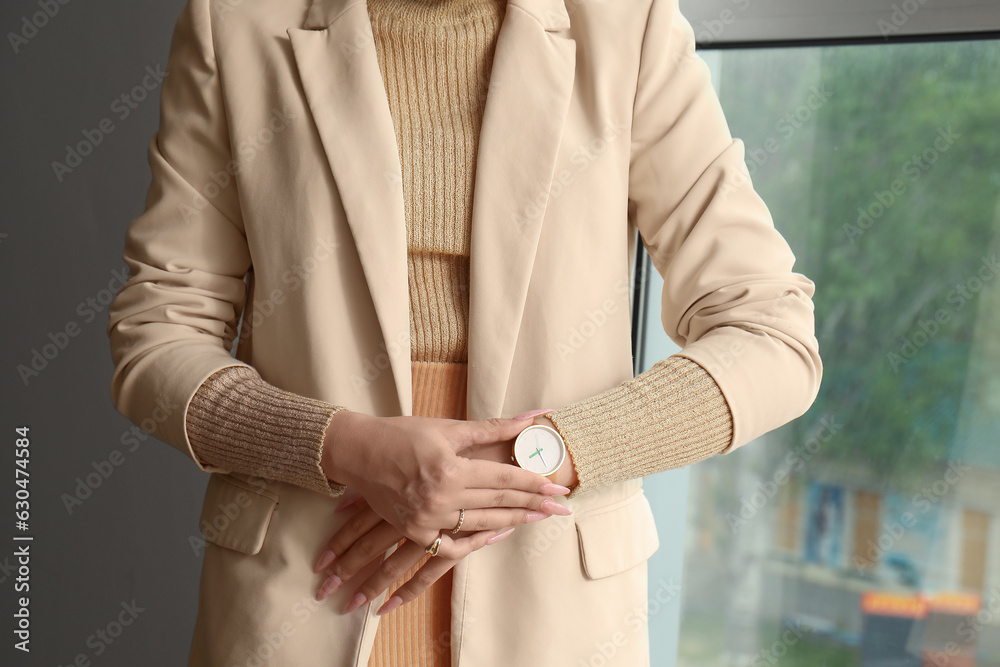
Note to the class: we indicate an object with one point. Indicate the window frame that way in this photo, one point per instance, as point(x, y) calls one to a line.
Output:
point(747, 23)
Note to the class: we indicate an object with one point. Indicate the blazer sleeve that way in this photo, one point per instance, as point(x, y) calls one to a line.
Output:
point(730, 299)
point(172, 324)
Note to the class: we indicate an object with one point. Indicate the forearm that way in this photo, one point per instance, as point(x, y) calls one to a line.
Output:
point(670, 416)
point(238, 421)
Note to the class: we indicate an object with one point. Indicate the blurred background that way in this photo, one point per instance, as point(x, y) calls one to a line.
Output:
point(866, 532)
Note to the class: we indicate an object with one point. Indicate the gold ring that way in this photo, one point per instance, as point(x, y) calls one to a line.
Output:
point(433, 548)
point(461, 520)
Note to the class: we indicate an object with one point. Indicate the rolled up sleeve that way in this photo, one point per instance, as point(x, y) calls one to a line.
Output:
point(730, 300)
point(172, 324)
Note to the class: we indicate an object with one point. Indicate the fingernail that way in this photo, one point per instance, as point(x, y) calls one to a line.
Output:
point(535, 516)
point(325, 560)
point(534, 413)
point(552, 507)
point(497, 538)
point(356, 601)
point(331, 584)
point(393, 602)
point(554, 490)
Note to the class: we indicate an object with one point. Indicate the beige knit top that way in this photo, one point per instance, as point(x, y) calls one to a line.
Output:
point(435, 57)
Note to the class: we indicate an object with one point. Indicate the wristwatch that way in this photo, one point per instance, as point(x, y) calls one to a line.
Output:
point(540, 449)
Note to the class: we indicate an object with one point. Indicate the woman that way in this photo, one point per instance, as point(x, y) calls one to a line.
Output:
point(419, 216)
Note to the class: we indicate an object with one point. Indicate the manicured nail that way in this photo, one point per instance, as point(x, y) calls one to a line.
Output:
point(497, 538)
point(552, 507)
point(534, 413)
point(331, 584)
point(393, 602)
point(356, 601)
point(535, 516)
point(554, 490)
point(327, 558)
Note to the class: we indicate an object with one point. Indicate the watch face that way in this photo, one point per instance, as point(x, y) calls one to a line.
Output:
point(539, 449)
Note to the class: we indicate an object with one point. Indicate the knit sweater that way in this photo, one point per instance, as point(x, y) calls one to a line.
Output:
point(436, 74)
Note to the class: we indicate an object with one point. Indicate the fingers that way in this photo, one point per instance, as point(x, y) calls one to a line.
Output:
point(502, 516)
point(461, 545)
point(499, 519)
point(356, 527)
point(405, 557)
point(488, 498)
point(418, 584)
point(365, 536)
point(492, 475)
point(401, 561)
point(433, 570)
point(357, 556)
point(486, 431)
point(394, 568)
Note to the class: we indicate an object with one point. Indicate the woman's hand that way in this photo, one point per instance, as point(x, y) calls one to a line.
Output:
point(366, 537)
point(411, 474)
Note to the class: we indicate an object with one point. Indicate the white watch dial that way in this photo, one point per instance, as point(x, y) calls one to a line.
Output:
point(539, 449)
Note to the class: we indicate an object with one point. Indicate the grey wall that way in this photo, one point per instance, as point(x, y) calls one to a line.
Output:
point(61, 239)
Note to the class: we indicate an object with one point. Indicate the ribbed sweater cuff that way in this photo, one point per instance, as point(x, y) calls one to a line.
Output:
point(670, 416)
point(238, 421)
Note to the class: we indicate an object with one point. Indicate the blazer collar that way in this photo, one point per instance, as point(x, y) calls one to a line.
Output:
point(530, 87)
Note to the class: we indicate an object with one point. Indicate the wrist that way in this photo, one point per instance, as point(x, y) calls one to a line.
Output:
point(566, 475)
point(339, 449)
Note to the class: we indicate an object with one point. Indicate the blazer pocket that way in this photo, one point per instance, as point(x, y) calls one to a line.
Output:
point(236, 513)
point(618, 537)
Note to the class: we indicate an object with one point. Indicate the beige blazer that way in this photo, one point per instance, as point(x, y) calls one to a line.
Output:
point(276, 195)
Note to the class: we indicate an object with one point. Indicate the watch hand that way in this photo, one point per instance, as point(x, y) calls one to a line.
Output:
point(541, 456)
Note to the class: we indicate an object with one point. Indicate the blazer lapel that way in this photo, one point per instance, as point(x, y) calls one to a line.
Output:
point(338, 66)
point(530, 87)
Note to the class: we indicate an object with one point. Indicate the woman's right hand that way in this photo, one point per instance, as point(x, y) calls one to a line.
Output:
point(365, 537)
point(409, 471)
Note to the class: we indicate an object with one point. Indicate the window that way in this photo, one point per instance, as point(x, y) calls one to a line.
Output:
point(880, 163)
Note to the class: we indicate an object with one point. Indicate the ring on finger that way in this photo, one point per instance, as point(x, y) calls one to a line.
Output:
point(461, 520)
point(434, 547)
